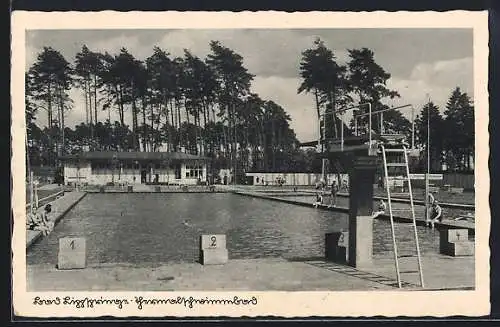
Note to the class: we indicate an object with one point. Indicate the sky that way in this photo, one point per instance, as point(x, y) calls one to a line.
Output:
point(423, 63)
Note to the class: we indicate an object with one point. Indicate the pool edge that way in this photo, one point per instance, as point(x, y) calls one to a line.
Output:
point(346, 210)
point(58, 218)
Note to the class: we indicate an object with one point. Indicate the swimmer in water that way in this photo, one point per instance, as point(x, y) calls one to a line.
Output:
point(191, 226)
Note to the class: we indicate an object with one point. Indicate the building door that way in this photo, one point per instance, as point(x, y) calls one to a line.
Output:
point(144, 173)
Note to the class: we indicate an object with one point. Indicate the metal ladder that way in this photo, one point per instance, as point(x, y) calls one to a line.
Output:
point(401, 149)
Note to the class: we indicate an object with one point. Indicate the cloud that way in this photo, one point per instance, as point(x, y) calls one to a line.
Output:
point(436, 81)
point(31, 54)
point(113, 46)
point(446, 72)
point(265, 52)
point(300, 107)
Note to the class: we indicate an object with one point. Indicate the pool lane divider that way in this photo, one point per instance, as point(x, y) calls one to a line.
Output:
point(36, 235)
point(439, 225)
point(396, 199)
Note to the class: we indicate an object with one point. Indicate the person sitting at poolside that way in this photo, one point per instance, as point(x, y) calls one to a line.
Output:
point(436, 214)
point(41, 222)
point(319, 200)
point(469, 217)
point(380, 210)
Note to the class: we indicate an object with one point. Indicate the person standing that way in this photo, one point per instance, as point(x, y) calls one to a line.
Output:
point(333, 195)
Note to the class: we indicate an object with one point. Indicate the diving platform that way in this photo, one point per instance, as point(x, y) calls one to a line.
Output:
point(357, 151)
point(361, 145)
point(363, 142)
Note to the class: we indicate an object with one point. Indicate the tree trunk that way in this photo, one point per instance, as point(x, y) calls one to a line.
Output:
point(86, 103)
point(134, 125)
point(334, 115)
point(178, 109)
point(95, 98)
point(144, 126)
point(169, 131)
point(61, 118)
point(121, 111)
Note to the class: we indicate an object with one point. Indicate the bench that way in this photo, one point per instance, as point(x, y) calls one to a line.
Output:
point(456, 190)
point(433, 189)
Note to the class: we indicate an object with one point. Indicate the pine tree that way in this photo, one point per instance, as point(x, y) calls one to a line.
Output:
point(459, 126)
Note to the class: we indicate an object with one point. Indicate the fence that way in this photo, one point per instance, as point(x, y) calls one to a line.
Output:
point(454, 180)
point(45, 200)
point(303, 179)
point(298, 179)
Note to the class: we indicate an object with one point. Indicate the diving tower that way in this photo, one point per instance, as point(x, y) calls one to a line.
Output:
point(359, 154)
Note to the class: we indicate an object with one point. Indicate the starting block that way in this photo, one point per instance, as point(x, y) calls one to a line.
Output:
point(72, 253)
point(157, 189)
point(130, 188)
point(213, 250)
point(455, 242)
point(337, 247)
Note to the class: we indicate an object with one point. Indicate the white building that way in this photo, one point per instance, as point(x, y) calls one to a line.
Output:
point(100, 168)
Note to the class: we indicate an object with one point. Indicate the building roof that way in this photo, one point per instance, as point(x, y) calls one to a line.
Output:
point(153, 156)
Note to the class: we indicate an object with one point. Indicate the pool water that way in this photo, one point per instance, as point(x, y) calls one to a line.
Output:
point(160, 227)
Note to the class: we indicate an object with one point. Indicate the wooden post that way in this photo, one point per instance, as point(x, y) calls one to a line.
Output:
point(31, 191)
point(36, 194)
point(427, 197)
point(323, 169)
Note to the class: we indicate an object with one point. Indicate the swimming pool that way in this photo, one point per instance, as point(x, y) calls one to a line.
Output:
point(149, 228)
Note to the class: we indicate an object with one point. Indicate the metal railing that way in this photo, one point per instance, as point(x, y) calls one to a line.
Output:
point(381, 115)
point(342, 111)
point(356, 116)
point(44, 200)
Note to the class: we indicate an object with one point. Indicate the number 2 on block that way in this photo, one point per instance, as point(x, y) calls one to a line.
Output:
point(214, 241)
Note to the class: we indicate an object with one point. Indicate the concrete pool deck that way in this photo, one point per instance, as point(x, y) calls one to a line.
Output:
point(271, 274)
point(60, 207)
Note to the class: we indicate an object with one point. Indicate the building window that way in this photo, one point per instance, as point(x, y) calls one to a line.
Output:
point(194, 171)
